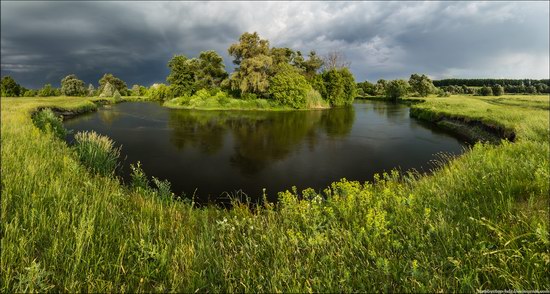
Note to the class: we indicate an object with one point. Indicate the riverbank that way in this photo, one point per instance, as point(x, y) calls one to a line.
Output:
point(477, 223)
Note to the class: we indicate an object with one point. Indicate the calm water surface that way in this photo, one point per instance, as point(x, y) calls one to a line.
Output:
point(207, 153)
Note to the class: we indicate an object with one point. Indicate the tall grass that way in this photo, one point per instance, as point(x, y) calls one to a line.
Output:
point(480, 222)
point(97, 152)
point(46, 120)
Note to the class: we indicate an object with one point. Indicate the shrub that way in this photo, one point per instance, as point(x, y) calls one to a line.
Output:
point(498, 90)
point(97, 152)
point(48, 91)
point(160, 92)
point(47, 121)
point(397, 89)
point(485, 91)
point(339, 87)
point(30, 93)
point(289, 87)
point(443, 93)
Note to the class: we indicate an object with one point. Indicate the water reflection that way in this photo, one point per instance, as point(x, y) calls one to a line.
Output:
point(259, 138)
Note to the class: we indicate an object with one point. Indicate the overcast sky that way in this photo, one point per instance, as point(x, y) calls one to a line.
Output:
point(41, 42)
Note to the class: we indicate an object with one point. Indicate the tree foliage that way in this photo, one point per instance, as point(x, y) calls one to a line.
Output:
point(397, 89)
point(189, 75)
point(251, 54)
point(48, 91)
point(367, 87)
point(72, 86)
point(10, 88)
point(421, 84)
point(498, 90)
point(289, 87)
point(339, 87)
point(119, 84)
point(380, 87)
point(485, 91)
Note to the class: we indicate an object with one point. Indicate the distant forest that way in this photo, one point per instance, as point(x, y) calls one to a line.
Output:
point(489, 82)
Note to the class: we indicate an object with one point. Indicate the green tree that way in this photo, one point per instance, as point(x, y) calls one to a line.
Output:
point(10, 88)
point(211, 71)
point(380, 87)
point(30, 93)
point(367, 87)
point(421, 84)
point(251, 54)
point(189, 75)
point(119, 84)
point(485, 91)
point(135, 90)
point(182, 75)
point(397, 89)
point(72, 86)
point(498, 90)
point(311, 66)
point(47, 91)
point(340, 87)
point(289, 87)
point(531, 89)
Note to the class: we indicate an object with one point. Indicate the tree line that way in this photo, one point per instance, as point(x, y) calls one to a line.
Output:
point(262, 71)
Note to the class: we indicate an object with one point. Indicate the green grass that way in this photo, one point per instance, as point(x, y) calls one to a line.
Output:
point(479, 222)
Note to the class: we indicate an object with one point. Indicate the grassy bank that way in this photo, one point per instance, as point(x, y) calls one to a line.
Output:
point(480, 222)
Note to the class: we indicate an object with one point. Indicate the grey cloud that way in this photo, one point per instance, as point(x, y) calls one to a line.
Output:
point(43, 41)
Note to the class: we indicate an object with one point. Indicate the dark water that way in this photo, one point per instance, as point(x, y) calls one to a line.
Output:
point(207, 153)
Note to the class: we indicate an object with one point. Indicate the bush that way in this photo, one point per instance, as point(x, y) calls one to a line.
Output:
point(47, 121)
point(30, 93)
point(339, 87)
point(97, 152)
point(48, 91)
point(498, 90)
point(443, 93)
point(289, 87)
point(485, 91)
point(160, 92)
point(397, 89)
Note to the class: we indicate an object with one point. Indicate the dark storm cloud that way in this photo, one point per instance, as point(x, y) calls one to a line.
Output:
point(41, 42)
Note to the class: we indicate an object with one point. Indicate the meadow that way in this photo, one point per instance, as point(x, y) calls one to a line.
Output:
point(478, 222)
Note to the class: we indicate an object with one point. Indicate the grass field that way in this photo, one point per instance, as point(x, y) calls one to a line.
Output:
point(480, 222)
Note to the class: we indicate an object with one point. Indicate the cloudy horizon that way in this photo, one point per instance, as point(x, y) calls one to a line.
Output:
point(41, 42)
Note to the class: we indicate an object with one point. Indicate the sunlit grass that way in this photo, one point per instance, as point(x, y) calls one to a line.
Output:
point(479, 222)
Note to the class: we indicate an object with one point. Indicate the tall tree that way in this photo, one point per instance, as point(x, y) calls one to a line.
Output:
point(310, 66)
point(10, 88)
point(187, 76)
point(421, 84)
point(72, 86)
point(119, 84)
point(182, 75)
point(251, 54)
point(397, 89)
